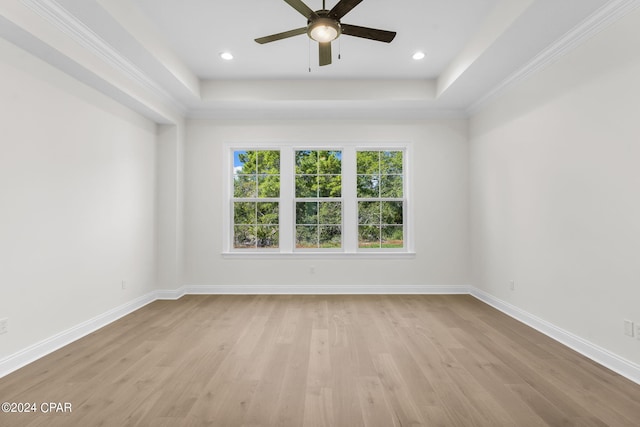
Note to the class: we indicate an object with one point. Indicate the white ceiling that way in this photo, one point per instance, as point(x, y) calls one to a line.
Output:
point(161, 57)
point(199, 29)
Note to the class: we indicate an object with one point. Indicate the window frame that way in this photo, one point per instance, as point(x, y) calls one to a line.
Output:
point(317, 199)
point(287, 201)
point(255, 199)
point(382, 199)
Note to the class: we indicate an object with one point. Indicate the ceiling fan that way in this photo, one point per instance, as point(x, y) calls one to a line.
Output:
point(324, 26)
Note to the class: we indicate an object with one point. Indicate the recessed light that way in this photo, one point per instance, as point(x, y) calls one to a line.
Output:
point(418, 56)
point(227, 56)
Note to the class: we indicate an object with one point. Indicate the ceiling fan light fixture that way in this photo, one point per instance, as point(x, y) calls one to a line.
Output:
point(324, 30)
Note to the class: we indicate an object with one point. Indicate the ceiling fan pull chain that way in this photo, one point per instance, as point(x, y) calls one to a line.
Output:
point(339, 49)
point(309, 55)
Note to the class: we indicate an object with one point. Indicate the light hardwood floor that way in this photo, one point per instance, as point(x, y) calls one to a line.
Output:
point(320, 361)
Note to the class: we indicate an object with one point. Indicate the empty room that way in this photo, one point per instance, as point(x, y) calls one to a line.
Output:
point(320, 213)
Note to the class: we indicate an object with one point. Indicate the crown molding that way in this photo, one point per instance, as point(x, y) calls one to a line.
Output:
point(64, 21)
point(598, 21)
point(315, 112)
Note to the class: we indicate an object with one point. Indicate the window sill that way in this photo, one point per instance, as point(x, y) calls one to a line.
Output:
point(319, 255)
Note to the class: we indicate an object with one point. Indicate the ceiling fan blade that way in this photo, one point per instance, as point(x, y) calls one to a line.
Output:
point(303, 9)
point(280, 36)
point(342, 8)
point(368, 33)
point(325, 53)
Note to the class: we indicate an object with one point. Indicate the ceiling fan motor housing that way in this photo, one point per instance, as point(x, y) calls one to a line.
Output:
point(323, 29)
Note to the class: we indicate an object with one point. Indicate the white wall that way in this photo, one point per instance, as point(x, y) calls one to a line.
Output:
point(77, 202)
point(440, 201)
point(169, 206)
point(555, 191)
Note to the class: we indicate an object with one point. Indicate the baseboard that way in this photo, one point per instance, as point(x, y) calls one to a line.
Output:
point(49, 345)
point(167, 294)
point(323, 289)
point(598, 354)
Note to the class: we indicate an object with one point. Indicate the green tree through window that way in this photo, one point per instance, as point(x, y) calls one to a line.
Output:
point(318, 192)
point(318, 199)
point(380, 191)
point(256, 192)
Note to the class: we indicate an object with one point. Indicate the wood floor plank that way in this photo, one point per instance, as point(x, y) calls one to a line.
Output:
point(376, 410)
point(541, 406)
point(396, 392)
point(318, 408)
point(290, 406)
point(318, 399)
point(492, 385)
point(316, 360)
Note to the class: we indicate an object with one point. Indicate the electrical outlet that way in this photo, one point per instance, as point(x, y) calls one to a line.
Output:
point(124, 285)
point(4, 326)
point(512, 285)
point(628, 328)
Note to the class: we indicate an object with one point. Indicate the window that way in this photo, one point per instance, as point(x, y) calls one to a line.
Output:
point(380, 199)
point(318, 194)
point(256, 191)
point(289, 199)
